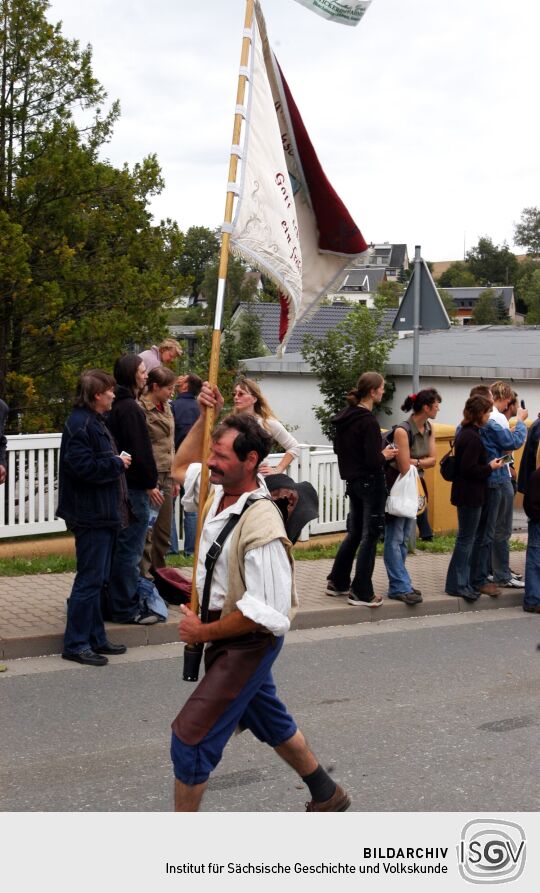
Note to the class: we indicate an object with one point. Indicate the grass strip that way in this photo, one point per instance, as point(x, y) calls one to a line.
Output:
point(62, 564)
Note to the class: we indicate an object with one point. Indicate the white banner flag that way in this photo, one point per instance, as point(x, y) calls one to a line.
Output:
point(290, 224)
point(265, 231)
point(347, 13)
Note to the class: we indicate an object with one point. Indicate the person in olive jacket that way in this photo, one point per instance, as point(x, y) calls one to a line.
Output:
point(469, 492)
point(127, 424)
point(160, 424)
point(92, 500)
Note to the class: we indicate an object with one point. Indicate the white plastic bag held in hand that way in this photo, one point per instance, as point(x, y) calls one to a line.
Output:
point(402, 500)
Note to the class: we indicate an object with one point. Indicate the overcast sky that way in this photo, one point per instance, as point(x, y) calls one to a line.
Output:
point(425, 116)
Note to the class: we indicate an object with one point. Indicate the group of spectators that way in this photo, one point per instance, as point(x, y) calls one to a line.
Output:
point(115, 465)
point(370, 468)
point(483, 491)
point(483, 487)
point(116, 490)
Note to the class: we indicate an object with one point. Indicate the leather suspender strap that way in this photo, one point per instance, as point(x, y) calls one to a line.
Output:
point(212, 556)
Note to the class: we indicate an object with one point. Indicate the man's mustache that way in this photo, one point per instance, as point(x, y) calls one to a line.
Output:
point(215, 470)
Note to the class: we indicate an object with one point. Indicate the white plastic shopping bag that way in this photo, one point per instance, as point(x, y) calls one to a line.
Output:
point(402, 500)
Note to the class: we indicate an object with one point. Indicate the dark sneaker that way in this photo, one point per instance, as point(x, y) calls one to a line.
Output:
point(408, 598)
point(88, 657)
point(375, 602)
point(471, 596)
point(331, 589)
point(145, 619)
point(338, 802)
point(532, 609)
point(109, 648)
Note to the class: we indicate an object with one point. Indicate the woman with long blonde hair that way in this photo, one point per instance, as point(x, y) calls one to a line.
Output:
point(249, 398)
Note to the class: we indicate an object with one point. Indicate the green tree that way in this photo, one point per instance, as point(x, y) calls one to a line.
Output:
point(527, 231)
point(530, 294)
point(201, 249)
point(85, 272)
point(449, 306)
point(240, 285)
point(249, 342)
point(270, 291)
point(491, 264)
point(361, 342)
point(490, 309)
point(392, 292)
point(525, 290)
point(458, 275)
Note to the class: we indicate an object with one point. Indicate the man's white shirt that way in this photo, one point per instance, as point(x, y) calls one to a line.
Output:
point(267, 599)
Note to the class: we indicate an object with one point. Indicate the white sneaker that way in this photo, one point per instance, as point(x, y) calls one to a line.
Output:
point(512, 583)
point(489, 578)
point(515, 576)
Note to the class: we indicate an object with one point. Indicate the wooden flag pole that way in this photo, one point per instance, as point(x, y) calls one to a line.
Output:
point(223, 265)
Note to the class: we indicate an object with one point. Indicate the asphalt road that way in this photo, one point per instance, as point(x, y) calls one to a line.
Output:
point(433, 714)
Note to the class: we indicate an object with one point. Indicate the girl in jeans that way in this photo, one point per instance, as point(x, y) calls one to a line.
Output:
point(361, 461)
point(127, 423)
point(416, 446)
point(469, 490)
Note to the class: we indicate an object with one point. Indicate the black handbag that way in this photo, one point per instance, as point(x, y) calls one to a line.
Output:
point(447, 464)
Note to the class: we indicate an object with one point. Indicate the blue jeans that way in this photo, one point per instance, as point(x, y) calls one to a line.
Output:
point(84, 627)
point(365, 524)
point(396, 541)
point(485, 535)
point(190, 529)
point(124, 580)
point(461, 569)
point(532, 566)
point(500, 550)
point(175, 546)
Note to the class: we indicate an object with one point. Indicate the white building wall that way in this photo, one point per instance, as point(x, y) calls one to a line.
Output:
point(292, 397)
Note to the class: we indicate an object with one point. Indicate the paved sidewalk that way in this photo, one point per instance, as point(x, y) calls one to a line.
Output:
point(32, 608)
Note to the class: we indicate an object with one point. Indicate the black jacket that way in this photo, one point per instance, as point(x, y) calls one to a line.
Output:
point(528, 458)
point(469, 486)
point(185, 410)
point(127, 423)
point(531, 500)
point(358, 443)
point(89, 473)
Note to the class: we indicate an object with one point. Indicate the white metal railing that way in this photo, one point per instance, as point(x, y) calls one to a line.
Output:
point(29, 497)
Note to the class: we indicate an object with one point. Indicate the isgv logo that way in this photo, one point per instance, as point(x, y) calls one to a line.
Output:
point(491, 851)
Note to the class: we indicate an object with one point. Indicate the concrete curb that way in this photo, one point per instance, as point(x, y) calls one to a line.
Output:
point(339, 614)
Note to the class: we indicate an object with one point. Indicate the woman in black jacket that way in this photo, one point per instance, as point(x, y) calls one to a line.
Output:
point(469, 489)
point(127, 424)
point(361, 460)
point(93, 502)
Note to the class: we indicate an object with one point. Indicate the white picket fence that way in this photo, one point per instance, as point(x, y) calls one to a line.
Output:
point(29, 497)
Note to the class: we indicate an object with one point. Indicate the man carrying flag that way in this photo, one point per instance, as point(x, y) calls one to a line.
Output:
point(251, 598)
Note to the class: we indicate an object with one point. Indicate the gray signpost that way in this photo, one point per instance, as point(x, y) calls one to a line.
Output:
point(421, 308)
